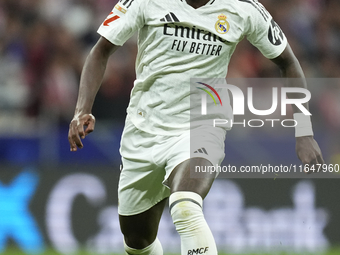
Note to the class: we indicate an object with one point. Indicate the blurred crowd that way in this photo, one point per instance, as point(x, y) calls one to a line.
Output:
point(44, 43)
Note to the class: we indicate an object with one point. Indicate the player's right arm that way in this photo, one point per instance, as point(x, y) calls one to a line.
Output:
point(124, 20)
point(90, 81)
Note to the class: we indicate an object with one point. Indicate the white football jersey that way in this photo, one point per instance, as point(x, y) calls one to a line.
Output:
point(176, 43)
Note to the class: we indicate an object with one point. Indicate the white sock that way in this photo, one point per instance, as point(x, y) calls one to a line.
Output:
point(187, 215)
point(153, 249)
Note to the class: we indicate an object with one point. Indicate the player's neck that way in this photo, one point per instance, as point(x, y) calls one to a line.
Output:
point(197, 3)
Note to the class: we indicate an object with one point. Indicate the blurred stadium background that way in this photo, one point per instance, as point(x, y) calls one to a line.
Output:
point(52, 200)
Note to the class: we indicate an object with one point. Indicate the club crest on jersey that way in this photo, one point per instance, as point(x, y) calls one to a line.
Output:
point(222, 25)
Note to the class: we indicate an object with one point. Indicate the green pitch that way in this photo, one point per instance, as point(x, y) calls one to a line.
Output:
point(334, 251)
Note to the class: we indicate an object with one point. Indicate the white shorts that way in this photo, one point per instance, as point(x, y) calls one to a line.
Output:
point(148, 161)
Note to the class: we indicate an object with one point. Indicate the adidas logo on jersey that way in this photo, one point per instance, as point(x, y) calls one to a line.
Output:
point(170, 18)
point(202, 150)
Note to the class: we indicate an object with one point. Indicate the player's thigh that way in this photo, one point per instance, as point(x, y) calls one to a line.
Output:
point(140, 183)
point(140, 230)
point(182, 179)
point(205, 146)
point(141, 193)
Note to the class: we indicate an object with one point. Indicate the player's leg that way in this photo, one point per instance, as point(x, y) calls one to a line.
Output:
point(140, 231)
point(141, 197)
point(141, 193)
point(180, 178)
point(185, 203)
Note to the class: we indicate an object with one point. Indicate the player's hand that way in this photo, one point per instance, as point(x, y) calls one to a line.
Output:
point(308, 151)
point(77, 132)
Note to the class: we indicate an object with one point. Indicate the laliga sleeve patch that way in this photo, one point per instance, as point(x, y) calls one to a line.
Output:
point(275, 34)
point(110, 18)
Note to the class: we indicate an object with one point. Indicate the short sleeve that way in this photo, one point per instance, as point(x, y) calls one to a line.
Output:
point(264, 33)
point(124, 20)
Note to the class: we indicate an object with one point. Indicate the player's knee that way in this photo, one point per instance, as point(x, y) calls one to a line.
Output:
point(137, 235)
point(186, 210)
point(152, 248)
point(137, 242)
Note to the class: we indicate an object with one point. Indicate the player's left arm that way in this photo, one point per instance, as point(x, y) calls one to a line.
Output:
point(265, 34)
point(307, 149)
